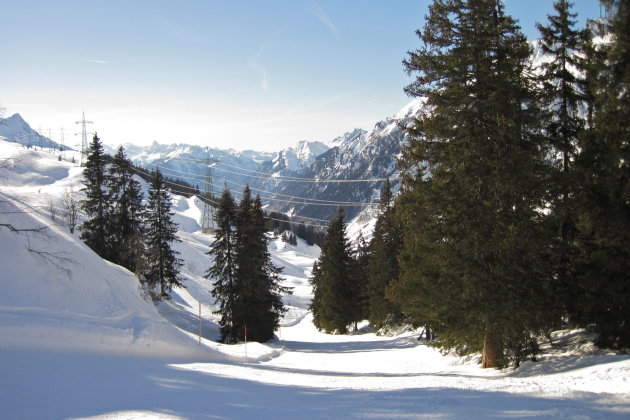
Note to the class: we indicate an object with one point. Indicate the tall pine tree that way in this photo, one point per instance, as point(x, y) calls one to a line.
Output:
point(563, 95)
point(474, 214)
point(332, 305)
point(603, 272)
point(161, 263)
point(96, 206)
point(223, 270)
point(125, 224)
point(383, 262)
point(259, 302)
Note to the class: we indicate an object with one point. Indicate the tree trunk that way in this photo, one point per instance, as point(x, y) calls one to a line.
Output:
point(492, 348)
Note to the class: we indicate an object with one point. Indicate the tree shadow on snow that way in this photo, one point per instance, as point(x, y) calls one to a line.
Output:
point(47, 385)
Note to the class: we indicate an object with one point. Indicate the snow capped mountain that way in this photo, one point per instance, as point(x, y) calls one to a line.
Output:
point(289, 162)
point(297, 157)
point(189, 162)
point(358, 155)
point(15, 130)
point(349, 137)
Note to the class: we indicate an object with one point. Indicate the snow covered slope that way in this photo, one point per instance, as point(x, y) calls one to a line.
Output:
point(14, 129)
point(55, 293)
point(77, 340)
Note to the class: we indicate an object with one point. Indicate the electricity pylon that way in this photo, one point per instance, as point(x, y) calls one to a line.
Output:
point(207, 216)
point(84, 144)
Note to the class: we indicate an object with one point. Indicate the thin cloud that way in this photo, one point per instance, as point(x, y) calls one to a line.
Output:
point(265, 80)
point(94, 60)
point(319, 13)
point(256, 61)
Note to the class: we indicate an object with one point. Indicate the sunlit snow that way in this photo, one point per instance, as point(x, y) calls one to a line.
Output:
point(78, 340)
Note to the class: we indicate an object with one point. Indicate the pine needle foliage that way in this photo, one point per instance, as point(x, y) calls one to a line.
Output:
point(603, 267)
point(332, 305)
point(95, 228)
point(472, 263)
point(258, 306)
point(161, 265)
point(223, 269)
point(125, 215)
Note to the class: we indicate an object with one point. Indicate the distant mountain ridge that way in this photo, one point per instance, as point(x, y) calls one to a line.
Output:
point(362, 159)
point(282, 178)
point(15, 130)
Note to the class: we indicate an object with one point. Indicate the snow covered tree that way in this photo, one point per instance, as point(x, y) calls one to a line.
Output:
point(383, 262)
point(474, 235)
point(125, 216)
point(259, 301)
point(95, 228)
point(223, 271)
point(332, 286)
point(161, 265)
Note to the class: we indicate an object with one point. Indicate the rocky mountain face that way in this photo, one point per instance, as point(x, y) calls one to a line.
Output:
point(307, 179)
point(353, 170)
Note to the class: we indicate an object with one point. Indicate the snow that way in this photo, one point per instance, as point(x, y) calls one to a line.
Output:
point(297, 157)
point(78, 340)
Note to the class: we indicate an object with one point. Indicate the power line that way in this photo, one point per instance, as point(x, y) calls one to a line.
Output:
point(309, 180)
point(288, 178)
point(306, 201)
point(179, 191)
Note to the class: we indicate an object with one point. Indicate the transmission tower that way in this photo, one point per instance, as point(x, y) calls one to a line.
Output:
point(207, 216)
point(62, 152)
point(84, 143)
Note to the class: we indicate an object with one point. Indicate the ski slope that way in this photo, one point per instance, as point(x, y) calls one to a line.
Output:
point(77, 340)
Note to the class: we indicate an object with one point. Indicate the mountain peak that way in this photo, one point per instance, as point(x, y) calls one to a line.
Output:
point(16, 130)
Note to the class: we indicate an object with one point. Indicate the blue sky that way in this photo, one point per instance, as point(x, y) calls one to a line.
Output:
point(258, 74)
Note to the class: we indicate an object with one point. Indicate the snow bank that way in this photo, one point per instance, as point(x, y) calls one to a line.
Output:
point(55, 293)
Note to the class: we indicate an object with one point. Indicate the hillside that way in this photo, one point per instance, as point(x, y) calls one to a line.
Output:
point(78, 340)
point(14, 129)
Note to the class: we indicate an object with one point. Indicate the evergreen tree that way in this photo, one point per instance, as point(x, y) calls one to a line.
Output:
point(95, 229)
point(383, 262)
point(259, 302)
point(332, 286)
point(359, 271)
point(474, 234)
point(161, 263)
point(563, 97)
point(223, 271)
point(125, 216)
point(603, 270)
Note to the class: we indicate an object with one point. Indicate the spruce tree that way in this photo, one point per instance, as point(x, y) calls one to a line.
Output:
point(383, 262)
point(96, 206)
point(259, 301)
point(603, 271)
point(161, 263)
point(223, 270)
point(332, 286)
point(563, 95)
point(475, 186)
point(359, 272)
point(125, 226)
